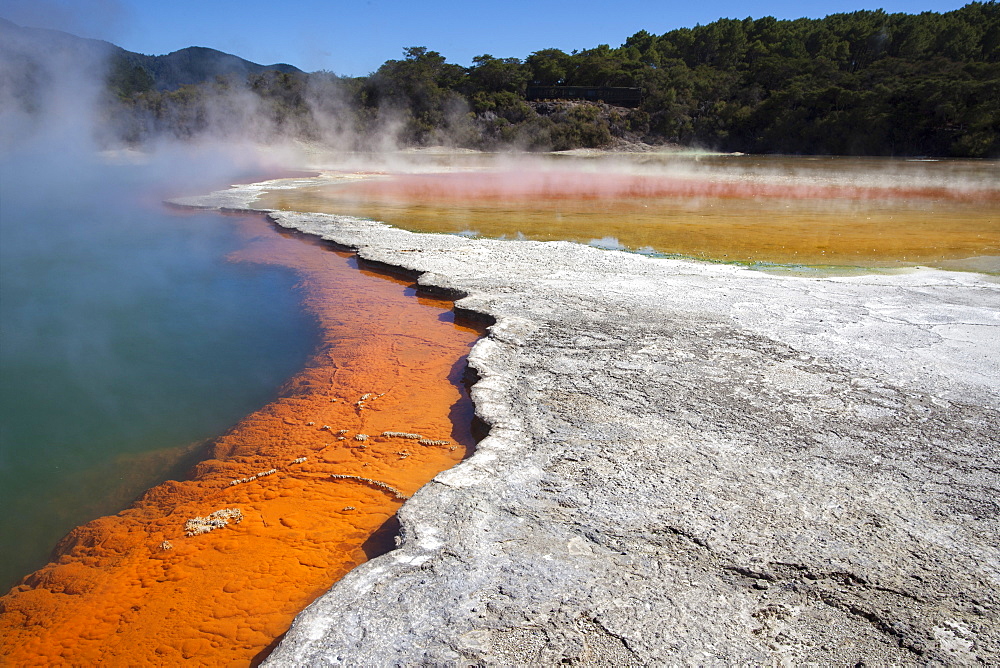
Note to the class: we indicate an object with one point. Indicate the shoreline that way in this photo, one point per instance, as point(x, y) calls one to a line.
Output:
point(688, 463)
point(299, 491)
point(771, 217)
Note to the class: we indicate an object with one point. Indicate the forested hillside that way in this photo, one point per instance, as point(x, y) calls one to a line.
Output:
point(193, 65)
point(863, 83)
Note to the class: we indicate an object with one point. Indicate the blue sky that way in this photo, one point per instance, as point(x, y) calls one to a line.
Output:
point(355, 37)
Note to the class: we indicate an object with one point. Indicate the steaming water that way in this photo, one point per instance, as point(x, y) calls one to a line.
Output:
point(764, 211)
point(127, 338)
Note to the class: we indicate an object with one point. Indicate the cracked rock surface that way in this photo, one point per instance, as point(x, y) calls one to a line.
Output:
point(690, 464)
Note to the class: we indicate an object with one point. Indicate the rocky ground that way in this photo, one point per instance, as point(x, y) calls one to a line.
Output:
point(690, 464)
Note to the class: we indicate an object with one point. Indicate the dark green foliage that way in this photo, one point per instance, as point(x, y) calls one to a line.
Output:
point(126, 78)
point(196, 65)
point(283, 100)
point(420, 91)
point(865, 82)
point(498, 75)
point(859, 83)
point(548, 67)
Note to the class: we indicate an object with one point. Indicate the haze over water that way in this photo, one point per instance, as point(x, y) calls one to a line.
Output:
point(313, 476)
point(758, 210)
point(128, 338)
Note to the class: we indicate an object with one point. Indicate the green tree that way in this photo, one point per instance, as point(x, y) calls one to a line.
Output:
point(548, 67)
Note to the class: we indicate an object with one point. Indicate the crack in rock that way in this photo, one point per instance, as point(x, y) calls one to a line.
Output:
point(690, 464)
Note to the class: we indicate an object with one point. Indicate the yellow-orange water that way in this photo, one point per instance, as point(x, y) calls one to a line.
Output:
point(789, 211)
point(133, 590)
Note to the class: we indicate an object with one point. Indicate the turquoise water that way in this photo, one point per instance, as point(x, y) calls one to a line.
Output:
point(126, 339)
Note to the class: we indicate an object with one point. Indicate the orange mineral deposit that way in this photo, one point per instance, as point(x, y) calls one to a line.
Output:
point(211, 570)
point(787, 211)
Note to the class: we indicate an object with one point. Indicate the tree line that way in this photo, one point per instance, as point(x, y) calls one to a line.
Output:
point(861, 83)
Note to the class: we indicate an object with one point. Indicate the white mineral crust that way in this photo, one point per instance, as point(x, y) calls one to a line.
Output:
point(690, 464)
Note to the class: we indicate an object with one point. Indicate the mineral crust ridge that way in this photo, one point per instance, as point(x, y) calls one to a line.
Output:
point(689, 464)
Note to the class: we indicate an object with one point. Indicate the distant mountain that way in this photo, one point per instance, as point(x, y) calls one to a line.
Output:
point(196, 64)
point(17, 38)
point(23, 46)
